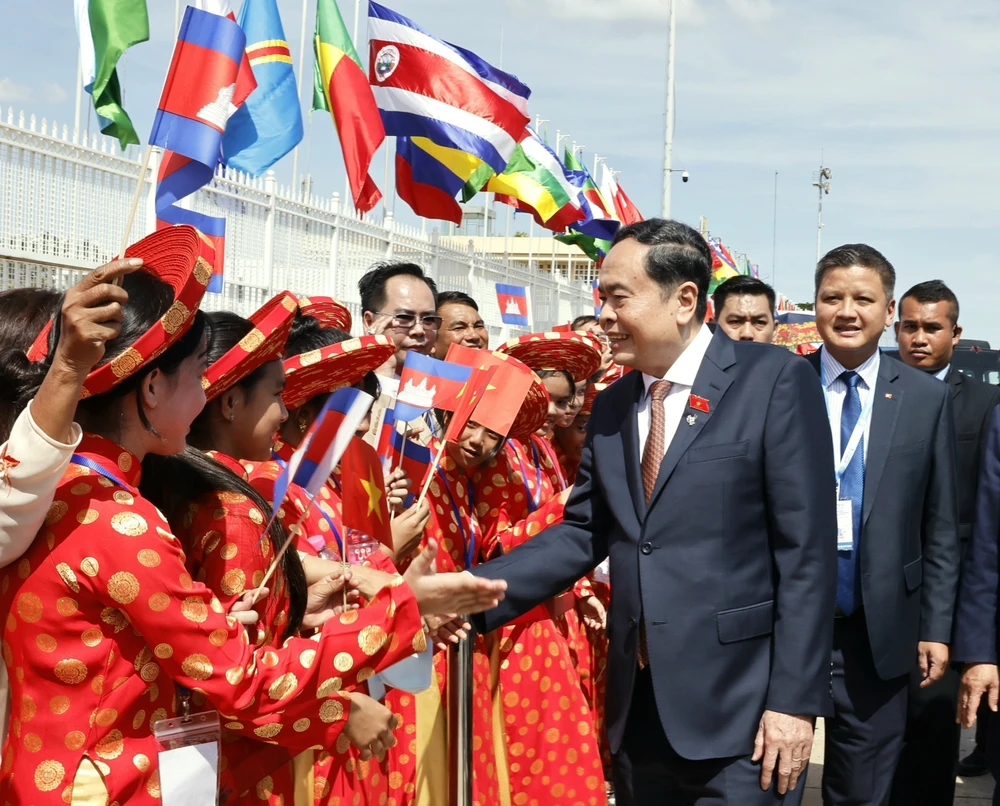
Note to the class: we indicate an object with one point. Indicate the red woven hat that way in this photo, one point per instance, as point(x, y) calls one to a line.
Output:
point(331, 368)
point(329, 312)
point(266, 342)
point(593, 390)
point(577, 353)
point(181, 257)
point(534, 408)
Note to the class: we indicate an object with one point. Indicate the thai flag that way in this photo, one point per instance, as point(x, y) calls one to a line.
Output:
point(513, 302)
point(427, 383)
point(199, 96)
point(324, 443)
point(425, 87)
point(597, 297)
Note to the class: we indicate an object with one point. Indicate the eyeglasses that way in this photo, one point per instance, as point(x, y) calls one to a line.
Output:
point(405, 321)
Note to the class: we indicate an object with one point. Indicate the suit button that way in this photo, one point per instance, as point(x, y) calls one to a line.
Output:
point(631, 622)
point(646, 548)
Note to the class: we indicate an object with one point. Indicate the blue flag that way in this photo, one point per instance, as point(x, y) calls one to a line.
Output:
point(269, 124)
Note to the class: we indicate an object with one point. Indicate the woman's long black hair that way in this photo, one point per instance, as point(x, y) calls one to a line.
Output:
point(174, 482)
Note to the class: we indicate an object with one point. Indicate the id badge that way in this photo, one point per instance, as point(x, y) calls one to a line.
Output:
point(845, 525)
point(189, 759)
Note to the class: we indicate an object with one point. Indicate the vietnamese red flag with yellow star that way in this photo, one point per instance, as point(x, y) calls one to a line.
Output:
point(365, 505)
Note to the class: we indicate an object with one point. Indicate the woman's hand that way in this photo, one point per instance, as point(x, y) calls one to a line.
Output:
point(330, 597)
point(408, 530)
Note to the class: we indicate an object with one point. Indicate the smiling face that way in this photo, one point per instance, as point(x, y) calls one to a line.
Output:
point(172, 402)
point(579, 394)
point(257, 413)
point(747, 317)
point(560, 401)
point(852, 312)
point(927, 334)
point(647, 325)
point(571, 439)
point(476, 446)
point(461, 324)
point(411, 298)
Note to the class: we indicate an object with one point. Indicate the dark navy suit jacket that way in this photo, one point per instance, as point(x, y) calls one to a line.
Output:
point(733, 564)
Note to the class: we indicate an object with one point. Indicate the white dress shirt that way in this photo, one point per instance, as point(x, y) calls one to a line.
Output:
point(681, 376)
point(942, 375)
point(836, 390)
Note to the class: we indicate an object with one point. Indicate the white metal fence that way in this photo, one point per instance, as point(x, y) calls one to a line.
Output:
point(64, 203)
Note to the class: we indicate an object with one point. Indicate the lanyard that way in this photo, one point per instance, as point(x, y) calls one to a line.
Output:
point(336, 531)
point(851, 448)
point(533, 498)
point(553, 460)
point(77, 459)
point(468, 540)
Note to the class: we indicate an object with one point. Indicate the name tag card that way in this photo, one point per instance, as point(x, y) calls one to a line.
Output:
point(189, 759)
point(845, 525)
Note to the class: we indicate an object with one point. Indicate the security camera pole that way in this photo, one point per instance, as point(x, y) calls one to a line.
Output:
point(668, 143)
point(822, 182)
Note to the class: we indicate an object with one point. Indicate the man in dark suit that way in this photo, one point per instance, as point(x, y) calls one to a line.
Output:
point(976, 624)
point(707, 476)
point(927, 332)
point(897, 541)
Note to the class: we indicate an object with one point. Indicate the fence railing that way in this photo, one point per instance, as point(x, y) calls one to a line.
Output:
point(64, 203)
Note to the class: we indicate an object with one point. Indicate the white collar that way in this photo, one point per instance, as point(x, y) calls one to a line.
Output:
point(685, 368)
point(833, 369)
point(942, 375)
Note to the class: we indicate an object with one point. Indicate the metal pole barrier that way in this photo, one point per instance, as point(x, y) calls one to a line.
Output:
point(460, 723)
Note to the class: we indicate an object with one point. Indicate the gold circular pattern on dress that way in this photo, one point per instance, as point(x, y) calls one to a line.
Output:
point(156, 716)
point(111, 746)
point(153, 785)
point(123, 587)
point(49, 775)
point(29, 607)
point(131, 524)
point(258, 576)
point(265, 787)
point(268, 731)
point(46, 643)
point(124, 498)
point(28, 708)
point(331, 711)
point(126, 363)
point(81, 489)
point(419, 642)
point(235, 675)
point(87, 516)
point(159, 602)
point(218, 637)
point(32, 742)
point(233, 582)
point(56, 513)
point(283, 686)
point(255, 515)
point(301, 725)
point(329, 686)
point(92, 637)
point(141, 762)
point(59, 705)
point(139, 719)
point(307, 657)
point(106, 717)
point(163, 651)
point(229, 550)
point(343, 662)
point(149, 672)
point(71, 671)
point(197, 666)
point(194, 609)
point(371, 639)
point(97, 685)
point(270, 658)
point(90, 566)
point(149, 558)
point(349, 617)
point(66, 575)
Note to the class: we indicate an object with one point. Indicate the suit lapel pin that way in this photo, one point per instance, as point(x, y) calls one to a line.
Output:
point(888, 396)
point(698, 403)
point(691, 419)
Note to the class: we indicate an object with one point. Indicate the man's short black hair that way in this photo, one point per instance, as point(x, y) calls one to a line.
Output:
point(456, 298)
point(929, 292)
point(372, 285)
point(858, 254)
point(679, 254)
point(582, 321)
point(742, 286)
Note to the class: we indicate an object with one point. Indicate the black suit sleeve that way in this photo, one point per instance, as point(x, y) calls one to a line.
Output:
point(941, 552)
point(976, 612)
point(802, 518)
point(557, 557)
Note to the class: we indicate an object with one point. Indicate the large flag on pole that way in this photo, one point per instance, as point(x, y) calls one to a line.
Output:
point(425, 87)
point(197, 101)
point(107, 28)
point(625, 211)
point(340, 87)
point(269, 124)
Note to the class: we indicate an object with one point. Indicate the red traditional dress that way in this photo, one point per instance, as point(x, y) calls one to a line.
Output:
point(103, 619)
point(552, 747)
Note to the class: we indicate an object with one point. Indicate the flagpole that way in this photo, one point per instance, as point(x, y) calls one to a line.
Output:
point(79, 94)
point(135, 201)
point(302, 61)
point(668, 139)
point(177, 15)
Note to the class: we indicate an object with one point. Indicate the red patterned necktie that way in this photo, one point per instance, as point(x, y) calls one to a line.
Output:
point(652, 458)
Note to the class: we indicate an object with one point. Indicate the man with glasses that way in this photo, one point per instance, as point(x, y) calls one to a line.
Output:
point(460, 323)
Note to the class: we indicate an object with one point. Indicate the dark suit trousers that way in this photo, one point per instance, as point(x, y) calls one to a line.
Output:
point(929, 763)
point(865, 736)
point(648, 772)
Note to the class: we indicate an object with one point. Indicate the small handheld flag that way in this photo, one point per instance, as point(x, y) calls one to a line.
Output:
point(427, 383)
point(597, 298)
point(364, 500)
point(513, 302)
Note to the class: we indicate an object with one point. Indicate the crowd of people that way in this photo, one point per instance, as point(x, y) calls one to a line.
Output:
point(685, 546)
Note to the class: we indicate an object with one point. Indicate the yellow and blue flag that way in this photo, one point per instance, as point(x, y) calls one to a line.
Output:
point(269, 124)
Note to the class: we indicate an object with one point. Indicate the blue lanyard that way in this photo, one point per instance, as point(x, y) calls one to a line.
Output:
point(89, 463)
point(468, 541)
point(553, 460)
point(533, 498)
point(847, 451)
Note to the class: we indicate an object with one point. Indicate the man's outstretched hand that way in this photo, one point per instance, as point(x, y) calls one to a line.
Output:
point(450, 593)
point(784, 742)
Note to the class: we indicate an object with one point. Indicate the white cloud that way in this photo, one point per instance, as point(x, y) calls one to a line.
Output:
point(12, 92)
point(53, 93)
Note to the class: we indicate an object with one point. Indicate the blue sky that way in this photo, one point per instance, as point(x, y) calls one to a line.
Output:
point(901, 98)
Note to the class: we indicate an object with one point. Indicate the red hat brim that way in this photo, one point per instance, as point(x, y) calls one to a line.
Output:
point(265, 342)
point(328, 311)
point(183, 258)
point(335, 367)
point(577, 353)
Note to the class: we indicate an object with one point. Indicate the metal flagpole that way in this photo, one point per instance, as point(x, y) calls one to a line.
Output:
point(774, 233)
point(460, 722)
point(668, 140)
point(79, 94)
point(177, 15)
point(302, 62)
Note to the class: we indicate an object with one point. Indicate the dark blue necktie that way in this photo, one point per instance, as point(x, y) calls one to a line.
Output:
point(852, 487)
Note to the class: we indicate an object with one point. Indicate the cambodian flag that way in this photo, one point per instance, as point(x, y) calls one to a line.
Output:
point(324, 443)
point(597, 298)
point(513, 302)
point(196, 104)
point(427, 383)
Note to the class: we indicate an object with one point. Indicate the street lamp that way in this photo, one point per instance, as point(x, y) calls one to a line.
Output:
point(822, 183)
point(597, 161)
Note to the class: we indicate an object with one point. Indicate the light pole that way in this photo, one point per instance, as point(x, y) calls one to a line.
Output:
point(668, 139)
point(822, 183)
point(597, 161)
